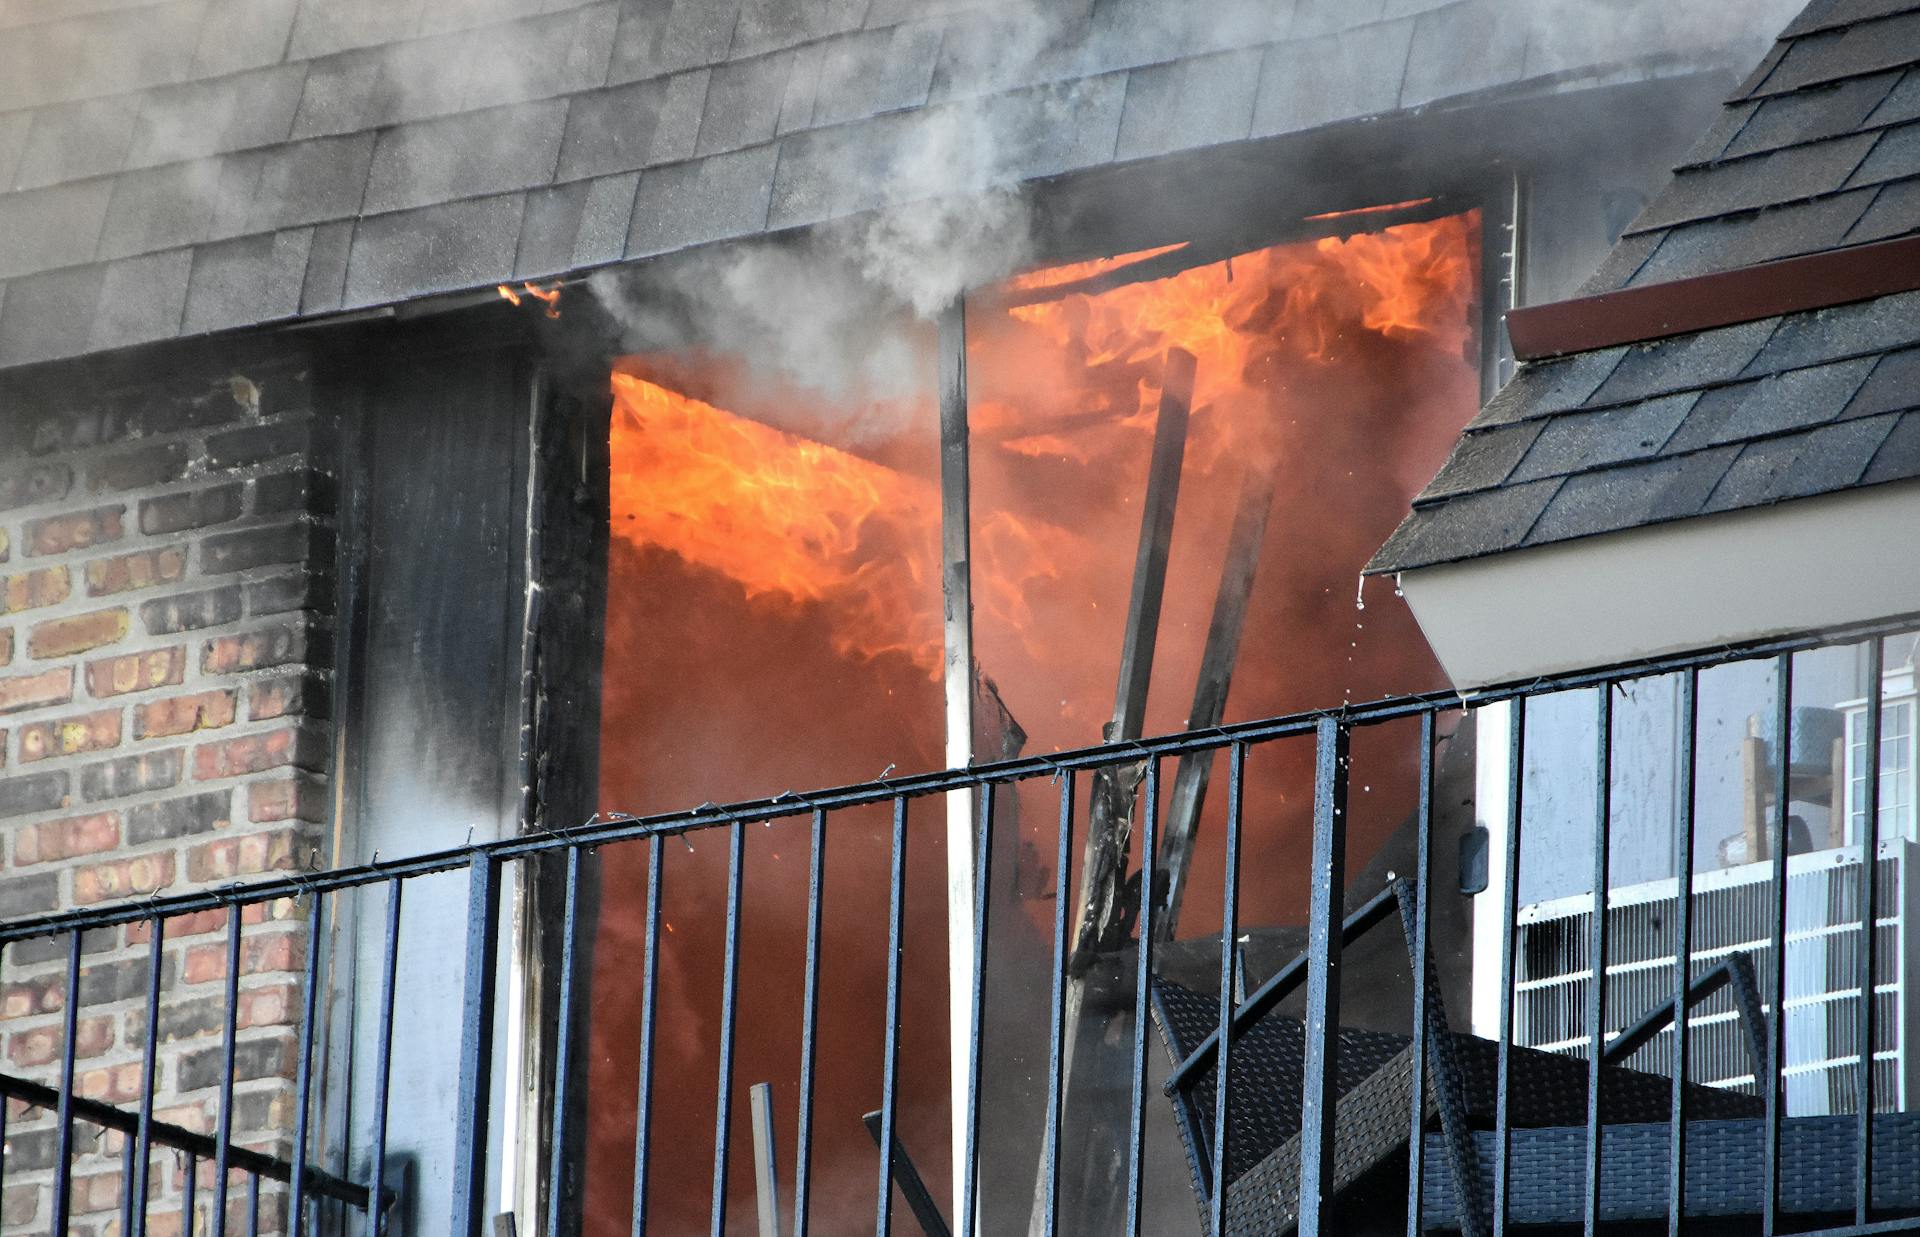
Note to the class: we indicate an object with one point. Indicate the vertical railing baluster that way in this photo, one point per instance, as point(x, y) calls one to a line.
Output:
point(1777, 1025)
point(188, 1193)
point(729, 994)
point(1057, 1008)
point(1867, 895)
point(966, 1222)
point(1422, 999)
point(1688, 766)
point(383, 1061)
point(1325, 911)
point(1509, 911)
point(70, 1030)
point(1142, 984)
point(649, 1002)
point(896, 945)
point(1597, 947)
point(1229, 967)
point(126, 1181)
point(809, 1024)
point(253, 1205)
point(149, 1068)
point(560, 1140)
point(228, 1057)
point(303, 1080)
point(473, 1120)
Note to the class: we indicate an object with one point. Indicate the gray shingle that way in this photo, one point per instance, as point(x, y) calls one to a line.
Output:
point(329, 26)
point(465, 156)
point(691, 203)
point(548, 228)
point(1825, 14)
point(743, 103)
point(160, 208)
point(1893, 385)
point(1808, 115)
point(326, 275)
point(1782, 232)
point(669, 35)
point(1056, 128)
point(1627, 497)
point(1865, 48)
point(678, 128)
point(610, 130)
point(76, 140)
point(1316, 17)
point(1541, 387)
point(605, 219)
point(98, 55)
point(1895, 156)
point(311, 181)
point(1575, 442)
point(233, 195)
point(1481, 460)
point(1466, 527)
point(1463, 48)
point(1817, 461)
point(1842, 330)
point(1765, 180)
point(434, 249)
point(1683, 362)
point(46, 228)
point(1770, 405)
point(876, 71)
point(1901, 104)
point(469, 13)
point(385, 85)
point(1728, 124)
point(806, 186)
point(49, 314)
point(539, 57)
point(242, 34)
point(252, 279)
point(1898, 458)
point(199, 119)
point(803, 84)
point(768, 25)
point(1191, 103)
point(14, 130)
point(141, 299)
point(1623, 263)
point(1309, 82)
point(1895, 212)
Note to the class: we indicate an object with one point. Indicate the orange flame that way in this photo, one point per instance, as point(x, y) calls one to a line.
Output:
point(548, 296)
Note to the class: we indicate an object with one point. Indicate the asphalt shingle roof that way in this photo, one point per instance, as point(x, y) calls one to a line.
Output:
point(1819, 149)
point(161, 162)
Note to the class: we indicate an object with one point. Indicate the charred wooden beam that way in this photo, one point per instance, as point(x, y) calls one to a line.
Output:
point(1103, 912)
point(1244, 544)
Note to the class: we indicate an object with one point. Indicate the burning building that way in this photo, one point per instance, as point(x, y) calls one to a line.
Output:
point(450, 449)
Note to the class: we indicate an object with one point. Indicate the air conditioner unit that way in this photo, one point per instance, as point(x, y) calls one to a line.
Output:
point(1733, 910)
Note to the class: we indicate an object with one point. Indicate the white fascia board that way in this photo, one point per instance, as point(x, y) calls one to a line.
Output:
point(1806, 565)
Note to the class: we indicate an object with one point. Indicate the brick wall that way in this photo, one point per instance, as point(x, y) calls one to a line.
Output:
point(165, 587)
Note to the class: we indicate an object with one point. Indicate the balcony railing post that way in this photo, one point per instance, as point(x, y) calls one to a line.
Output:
point(890, 1076)
point(1777, 1025)
point(649, 1007)
point(1867, 895)
point(1509, 912)
point(1422, 997)
point(476, 1047)
point(809, 1026)
point(228, 1048)
point(1688, 765)
point(69, 1027)
point(1229, 970)
point(729, 995)
point(303, 1080)
point(383, 1060)
point(1326, 911)
point(1597, 948)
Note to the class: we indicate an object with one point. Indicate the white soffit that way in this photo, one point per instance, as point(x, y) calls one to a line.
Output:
point(1806, 565)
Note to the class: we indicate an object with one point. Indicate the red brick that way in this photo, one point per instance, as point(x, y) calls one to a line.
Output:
point(6, 646)
point(137, 672)
point(62, 637)
point(251, 754)
point(200, 923)
point(295, 799)
point(61, 533)
point(226, 858)
point(70, 736)
point(29, 590)
point(273, 1006)
point(34, 691)
point(123, 878)
point(116, 1085)
point(255, 650)
point(42, 1045)
point(183, 714)
point(22, 1205)
point(141, 569)
point(259, 955)
point(97, 1192)
point(64, 839)
point(277, 697)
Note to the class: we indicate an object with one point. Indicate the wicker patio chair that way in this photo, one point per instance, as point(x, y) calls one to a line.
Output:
point(1373, 1113)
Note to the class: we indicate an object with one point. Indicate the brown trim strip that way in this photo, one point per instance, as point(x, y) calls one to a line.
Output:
point(1790, 285)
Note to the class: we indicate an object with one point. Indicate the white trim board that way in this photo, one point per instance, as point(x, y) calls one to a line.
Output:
point(1805, 565)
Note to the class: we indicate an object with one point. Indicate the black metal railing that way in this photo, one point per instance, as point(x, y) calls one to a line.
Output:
point(1549, 1140)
